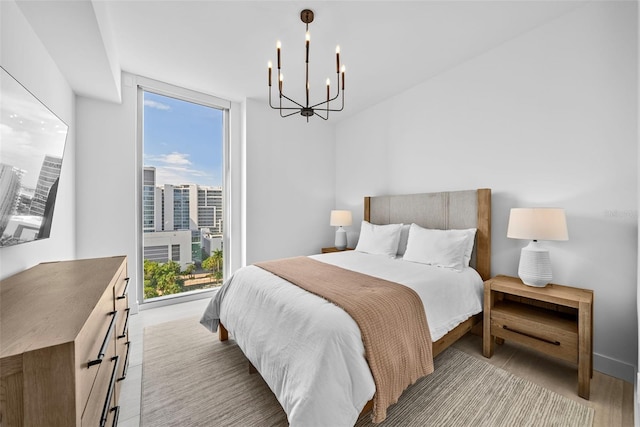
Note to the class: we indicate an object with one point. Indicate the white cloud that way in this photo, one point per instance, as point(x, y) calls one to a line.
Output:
point(172, 159)
point(157, 105)
point(176, 168)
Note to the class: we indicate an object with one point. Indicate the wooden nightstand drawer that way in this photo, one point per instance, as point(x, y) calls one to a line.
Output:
point(536, 328)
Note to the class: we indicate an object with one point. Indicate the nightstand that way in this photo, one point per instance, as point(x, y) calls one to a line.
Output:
point(334, 249)
point(556, 320)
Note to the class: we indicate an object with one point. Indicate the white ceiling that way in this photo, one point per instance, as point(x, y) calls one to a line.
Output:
point(222, 47)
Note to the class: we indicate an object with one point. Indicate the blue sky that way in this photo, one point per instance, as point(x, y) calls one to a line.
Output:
point(183, 141)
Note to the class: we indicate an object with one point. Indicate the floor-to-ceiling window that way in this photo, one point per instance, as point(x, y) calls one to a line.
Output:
point(183, 137)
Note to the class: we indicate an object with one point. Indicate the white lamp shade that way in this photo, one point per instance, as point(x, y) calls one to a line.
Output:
point(340, 218)
point(537, 224)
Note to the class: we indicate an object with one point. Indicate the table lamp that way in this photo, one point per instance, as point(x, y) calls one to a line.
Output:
point(536, 224)
point(341, 219)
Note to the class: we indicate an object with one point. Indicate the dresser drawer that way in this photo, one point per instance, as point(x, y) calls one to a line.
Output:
point(102, 397)
point(93, 344)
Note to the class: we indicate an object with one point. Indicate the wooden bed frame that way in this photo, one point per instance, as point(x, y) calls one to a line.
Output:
point(444, 210)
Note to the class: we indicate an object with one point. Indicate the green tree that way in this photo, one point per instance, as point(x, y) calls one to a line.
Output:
point(189, 270)
point(150, 268)
point(214, 264)
point(162, 279)
point(209, 263)
point(217, 256)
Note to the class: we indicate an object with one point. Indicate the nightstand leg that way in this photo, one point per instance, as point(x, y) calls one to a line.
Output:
point(585, 351)
point(487, 339)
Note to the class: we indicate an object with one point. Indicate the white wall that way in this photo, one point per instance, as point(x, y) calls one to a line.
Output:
point(290, 180)
point(25, 58)
point(546, 119)
point(107, 220)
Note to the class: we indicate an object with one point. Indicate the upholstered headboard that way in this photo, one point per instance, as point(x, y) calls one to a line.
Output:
point(443, 210)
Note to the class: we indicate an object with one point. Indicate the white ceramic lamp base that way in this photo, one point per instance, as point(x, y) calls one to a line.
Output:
point(535, 265)
point(341, 239)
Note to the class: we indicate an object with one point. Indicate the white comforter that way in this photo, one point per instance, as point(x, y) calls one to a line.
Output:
point(310, 351)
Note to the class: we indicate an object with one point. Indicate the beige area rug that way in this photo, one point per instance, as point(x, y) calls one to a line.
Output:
point(189, 378)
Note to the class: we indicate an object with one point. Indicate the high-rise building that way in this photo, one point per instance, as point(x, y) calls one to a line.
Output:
point(179, 201)
point(49, 173)
point(210, 209)
point(148, 200)
point(10, 178)
point(188, 207)
point(168, 209)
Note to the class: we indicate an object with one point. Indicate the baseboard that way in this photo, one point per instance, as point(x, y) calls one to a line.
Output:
point(177, 298)
point(615, 368)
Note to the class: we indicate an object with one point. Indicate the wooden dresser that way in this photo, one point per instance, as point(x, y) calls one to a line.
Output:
point(64, 343)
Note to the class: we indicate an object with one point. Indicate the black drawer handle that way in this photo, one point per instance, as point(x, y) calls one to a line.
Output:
point(124, 292)
point(126, 325)
point(126, 361)
point(105, 343)
point(112, 383)
point(116, 416)
point(530, 336)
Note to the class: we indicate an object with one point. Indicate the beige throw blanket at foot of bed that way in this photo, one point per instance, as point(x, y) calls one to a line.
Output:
point(391, 318)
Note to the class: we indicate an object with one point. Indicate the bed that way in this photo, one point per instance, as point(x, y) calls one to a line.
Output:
point(310, 352)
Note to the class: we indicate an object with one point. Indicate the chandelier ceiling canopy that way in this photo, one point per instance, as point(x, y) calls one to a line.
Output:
point(288, 106)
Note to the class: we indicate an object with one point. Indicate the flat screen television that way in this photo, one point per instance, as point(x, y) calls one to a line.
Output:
point(32, 140)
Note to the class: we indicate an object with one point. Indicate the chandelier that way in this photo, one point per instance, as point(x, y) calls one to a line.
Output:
point(321, 109)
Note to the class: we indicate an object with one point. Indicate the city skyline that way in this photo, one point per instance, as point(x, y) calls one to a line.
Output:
point(183, 141)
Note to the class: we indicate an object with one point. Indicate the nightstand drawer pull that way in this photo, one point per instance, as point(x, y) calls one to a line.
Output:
point(105, 343)
point(530, 335)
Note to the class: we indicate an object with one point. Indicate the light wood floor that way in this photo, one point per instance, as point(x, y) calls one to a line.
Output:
point(611, 398)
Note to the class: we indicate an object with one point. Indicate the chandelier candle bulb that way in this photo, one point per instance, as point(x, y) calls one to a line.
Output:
point(328, 91)
point(278, 46)
point(307, 38)
point(280, 83)
point(338, 59)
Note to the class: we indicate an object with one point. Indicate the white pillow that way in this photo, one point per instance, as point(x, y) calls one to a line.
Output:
point(404, 237)
point(471, 239)
point(442, 248)
point(379, 239)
